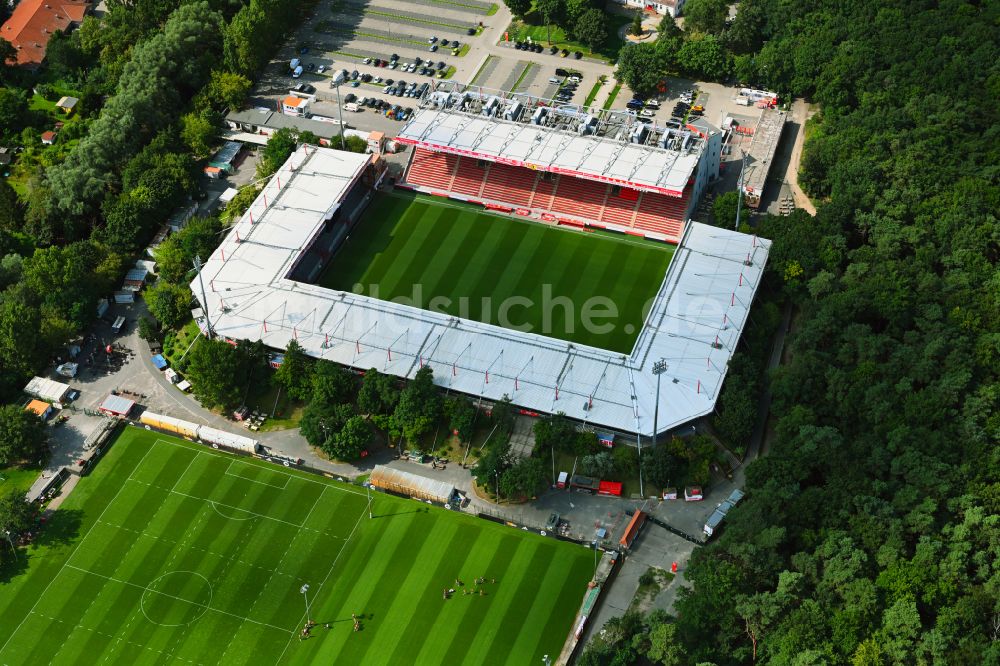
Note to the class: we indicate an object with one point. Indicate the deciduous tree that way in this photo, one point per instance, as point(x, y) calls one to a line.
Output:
point(23, 437)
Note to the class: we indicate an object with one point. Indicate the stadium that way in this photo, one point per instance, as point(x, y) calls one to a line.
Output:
point(500, 199)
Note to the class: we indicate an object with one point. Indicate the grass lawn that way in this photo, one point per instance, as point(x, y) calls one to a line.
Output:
point(532, 27)
point(464, 262)
point(183, 554)
point(17, 478)
point(175, 343)
point(613, 96)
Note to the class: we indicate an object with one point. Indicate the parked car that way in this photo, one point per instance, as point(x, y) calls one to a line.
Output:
point(367, 78)
point(555, 79)
point(577, 54)
point(441, 64)
point(433, 48)
point(432, 40)
point(444, 42)
point(575, 78)
point(311, 66)
point(553, 50)
point(470, 32)
point(321, 69)
point(367, 61)
point(647, 113)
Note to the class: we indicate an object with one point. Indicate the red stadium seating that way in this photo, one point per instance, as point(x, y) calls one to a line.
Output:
point(432, 169)
point(576, 198)
point(545, 188)
point(663, 214)
point(512, 185)
point(580, 198)
point(619, 210)
point(468, 177)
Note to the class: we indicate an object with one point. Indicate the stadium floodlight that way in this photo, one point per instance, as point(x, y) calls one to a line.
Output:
point(305, 594)
point(659, 367)
point(338, 79)
point(739, 189)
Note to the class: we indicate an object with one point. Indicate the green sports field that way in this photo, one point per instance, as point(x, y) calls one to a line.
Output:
point(462, 261)
point(187, 555)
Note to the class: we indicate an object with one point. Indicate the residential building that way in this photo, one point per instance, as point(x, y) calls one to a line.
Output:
point(33, 22)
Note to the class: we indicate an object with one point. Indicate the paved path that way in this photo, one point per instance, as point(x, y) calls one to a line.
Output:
point(801, 112)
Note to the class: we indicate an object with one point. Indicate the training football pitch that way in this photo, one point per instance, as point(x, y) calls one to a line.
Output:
point(188, 555)
point(462, 261)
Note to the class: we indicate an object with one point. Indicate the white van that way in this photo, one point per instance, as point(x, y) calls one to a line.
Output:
point(352, 107)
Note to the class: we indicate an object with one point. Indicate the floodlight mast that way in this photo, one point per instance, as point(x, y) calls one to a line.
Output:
point(338, 80)
point(659, 367)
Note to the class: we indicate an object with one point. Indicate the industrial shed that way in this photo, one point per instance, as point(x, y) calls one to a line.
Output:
point(405, 483)
point(47, 389)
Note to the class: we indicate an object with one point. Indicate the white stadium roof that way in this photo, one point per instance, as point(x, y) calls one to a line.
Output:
point(591, 157)
point(694, 323)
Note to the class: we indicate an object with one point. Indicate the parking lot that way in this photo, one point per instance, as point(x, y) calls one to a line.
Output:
point(433, 36)
point(380, 45)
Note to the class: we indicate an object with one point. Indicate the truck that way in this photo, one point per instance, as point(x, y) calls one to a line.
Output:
point(294, 64)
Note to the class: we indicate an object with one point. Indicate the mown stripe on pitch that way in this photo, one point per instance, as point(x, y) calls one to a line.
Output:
point(554, 626)
point(563, 326)
point(511, 611)
point(376, 232)
point(69, 610)
point(529, 252)
point(400, 230)
point(548, 618)
point(440, 227)
point(405, 254)
point(379, 586)
point(435, 622)
point(461, 278)
point(480, 279)
point(437, 278)
point(401, 632)
point(480, 613)
point(358, 581)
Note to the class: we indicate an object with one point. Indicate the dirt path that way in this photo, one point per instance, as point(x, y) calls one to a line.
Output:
point(801, 112)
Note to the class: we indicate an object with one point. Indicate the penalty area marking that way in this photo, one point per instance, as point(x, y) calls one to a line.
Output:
point(249, 517)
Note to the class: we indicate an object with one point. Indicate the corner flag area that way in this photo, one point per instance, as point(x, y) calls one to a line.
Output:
point(172, 552)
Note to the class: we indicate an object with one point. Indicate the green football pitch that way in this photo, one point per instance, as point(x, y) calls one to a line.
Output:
point(589, 288)
point(187, 555)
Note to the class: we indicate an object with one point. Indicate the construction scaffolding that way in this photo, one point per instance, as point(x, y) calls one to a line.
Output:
point(761, 154)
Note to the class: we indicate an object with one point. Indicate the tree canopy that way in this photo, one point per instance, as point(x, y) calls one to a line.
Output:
point(868, 534)
point(22, 436)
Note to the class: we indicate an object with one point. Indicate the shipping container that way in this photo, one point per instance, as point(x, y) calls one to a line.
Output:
point(227, 439)
point(170, 424)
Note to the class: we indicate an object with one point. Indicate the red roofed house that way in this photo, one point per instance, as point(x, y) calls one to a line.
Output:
point(48, 138)
point(32, 23)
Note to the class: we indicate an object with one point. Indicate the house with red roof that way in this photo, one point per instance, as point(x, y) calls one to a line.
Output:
point(33, 23)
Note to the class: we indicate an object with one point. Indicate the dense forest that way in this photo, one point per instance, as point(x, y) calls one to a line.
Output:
point(152, 77)
point(870, 531)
